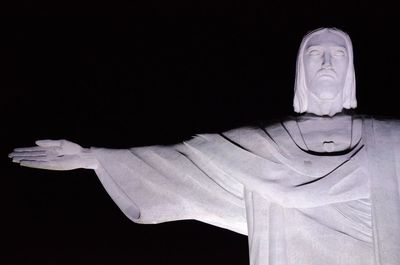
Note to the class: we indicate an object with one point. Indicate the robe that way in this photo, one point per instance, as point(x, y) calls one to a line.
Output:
point(297, 208)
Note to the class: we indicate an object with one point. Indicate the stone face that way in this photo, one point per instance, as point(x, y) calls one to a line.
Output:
point(325, 82)
point(318, 188)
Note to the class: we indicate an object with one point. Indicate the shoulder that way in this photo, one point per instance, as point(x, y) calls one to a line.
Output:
point(262, 131)
point(384, 128)
point(384, 123)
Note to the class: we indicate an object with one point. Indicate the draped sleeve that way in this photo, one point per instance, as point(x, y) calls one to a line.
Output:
point(157, 184)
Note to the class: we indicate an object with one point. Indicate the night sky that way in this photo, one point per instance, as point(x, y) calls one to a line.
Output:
point(121, 74)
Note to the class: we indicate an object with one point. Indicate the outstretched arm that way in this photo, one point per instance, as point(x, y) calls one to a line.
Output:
point(55, 155)
point(151, 184)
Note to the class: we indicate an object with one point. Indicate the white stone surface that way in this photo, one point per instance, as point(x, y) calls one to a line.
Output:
point(325, 79)
point(320, 188)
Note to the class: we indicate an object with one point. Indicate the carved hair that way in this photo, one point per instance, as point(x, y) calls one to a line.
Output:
point(300, 101)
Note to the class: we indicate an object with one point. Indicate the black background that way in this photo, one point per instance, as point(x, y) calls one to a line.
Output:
point(124, 74)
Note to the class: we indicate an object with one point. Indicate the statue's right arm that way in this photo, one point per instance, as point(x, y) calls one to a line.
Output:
point(151, 184)
point(55, 155)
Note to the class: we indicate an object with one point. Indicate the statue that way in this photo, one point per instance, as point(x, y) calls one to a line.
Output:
point(318, 188)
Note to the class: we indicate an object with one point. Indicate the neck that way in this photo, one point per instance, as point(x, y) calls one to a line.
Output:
point(329, 134)
point(324, 107)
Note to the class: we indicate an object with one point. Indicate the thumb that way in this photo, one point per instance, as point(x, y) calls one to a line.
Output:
point(48, 143)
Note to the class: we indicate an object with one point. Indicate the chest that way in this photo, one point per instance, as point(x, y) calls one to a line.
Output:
point(325, 135)
point(332, 234)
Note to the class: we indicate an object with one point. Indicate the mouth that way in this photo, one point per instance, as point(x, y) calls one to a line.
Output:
point(324, 74)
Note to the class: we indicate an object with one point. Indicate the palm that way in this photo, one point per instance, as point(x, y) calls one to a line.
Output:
point(50, 154)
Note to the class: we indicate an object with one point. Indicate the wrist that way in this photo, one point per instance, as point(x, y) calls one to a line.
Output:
point(89, 158)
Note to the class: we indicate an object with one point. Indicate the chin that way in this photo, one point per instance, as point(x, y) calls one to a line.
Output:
point(328, 93)
point(327, 96)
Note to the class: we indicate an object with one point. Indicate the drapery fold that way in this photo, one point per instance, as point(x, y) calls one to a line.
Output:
point(214, 178)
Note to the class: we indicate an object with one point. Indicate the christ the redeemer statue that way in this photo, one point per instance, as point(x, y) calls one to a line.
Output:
point(321, 188)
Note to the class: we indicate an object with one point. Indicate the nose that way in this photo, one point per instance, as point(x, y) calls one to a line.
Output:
point(326, 63)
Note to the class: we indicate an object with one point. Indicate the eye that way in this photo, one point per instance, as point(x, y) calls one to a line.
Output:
point(339, 53)
point(314, 52)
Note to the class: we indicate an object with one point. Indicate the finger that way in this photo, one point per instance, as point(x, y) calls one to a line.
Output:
point(35, 152)
point(37, 149)
point(18, 159)
point(29, 149)
point(51, 165)
point(36, 164)
point(49, 143)
point(25, 153)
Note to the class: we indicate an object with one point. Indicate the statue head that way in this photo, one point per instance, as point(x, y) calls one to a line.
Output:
point(325, 79)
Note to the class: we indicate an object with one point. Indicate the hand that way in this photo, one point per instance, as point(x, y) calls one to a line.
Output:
point(54, 155)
